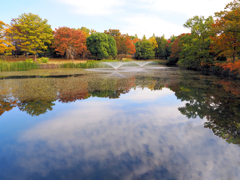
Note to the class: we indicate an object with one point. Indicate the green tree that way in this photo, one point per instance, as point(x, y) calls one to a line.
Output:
point(100, 45)
point(144, 50)
point(144, 38)
point(160, 50)
point(147, 50)
point(195, 47)
point(112, 50)
point(138, 53)
point(33, 33)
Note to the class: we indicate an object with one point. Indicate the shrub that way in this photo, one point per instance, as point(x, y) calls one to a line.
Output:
point(18, 66)
point(88, 64)
point(29, 60)
point(43, 60)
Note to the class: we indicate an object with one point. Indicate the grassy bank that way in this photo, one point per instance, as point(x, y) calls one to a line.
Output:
point(88, 64)
point(28, 65)
point(24, 66)
point(18, 66)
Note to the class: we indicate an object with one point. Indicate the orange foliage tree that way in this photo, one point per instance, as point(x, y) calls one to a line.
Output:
point(225, 43)
point(130, 45)
point(69, 42)
point(135, 41)
point(227, 32)
point(231, 66)
point(176, 48)
point(124, 43)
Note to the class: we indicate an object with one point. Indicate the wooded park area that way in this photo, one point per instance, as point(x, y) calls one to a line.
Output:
point(212, 44)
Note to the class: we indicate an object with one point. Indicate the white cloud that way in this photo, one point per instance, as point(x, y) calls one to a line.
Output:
point(178, 144)
point(187, 7)
point(144, 16)
point(140, 95)
point(147, 24)
point(93, 7)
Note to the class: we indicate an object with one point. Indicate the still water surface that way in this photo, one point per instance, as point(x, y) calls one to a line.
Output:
point(156, 123)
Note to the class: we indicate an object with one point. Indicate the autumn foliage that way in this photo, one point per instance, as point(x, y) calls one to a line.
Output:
point(69, 41)
point(230, 66)
point(32, 32)
point(5, 43)
point(212, 43)
point(176, 48)
point(135, 41)
point(130, 46)
point(225, 43)
point(124, 43)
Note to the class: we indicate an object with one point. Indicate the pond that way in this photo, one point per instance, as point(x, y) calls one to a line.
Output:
point(155, 123)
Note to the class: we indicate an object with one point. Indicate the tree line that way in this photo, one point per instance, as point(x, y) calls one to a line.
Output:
point(212, 43)
point(30, 34)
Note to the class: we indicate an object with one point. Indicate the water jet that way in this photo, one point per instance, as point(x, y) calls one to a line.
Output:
point(141, 64)
point(115, 65)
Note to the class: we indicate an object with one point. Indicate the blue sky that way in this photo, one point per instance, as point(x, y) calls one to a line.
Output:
point(130, 16)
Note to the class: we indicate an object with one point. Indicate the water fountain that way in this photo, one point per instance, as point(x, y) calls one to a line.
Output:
point(126, 67)
point(115, 65)
point(141, 63)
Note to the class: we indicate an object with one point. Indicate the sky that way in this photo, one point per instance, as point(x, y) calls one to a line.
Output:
point(161, 17)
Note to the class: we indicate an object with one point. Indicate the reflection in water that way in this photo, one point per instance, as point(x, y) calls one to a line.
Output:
point(144, 133)
point(218, 101)
point(36, 96)
point(36, 108)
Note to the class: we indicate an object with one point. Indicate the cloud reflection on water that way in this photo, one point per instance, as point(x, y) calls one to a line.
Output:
point(146, 95)
point(125, 141)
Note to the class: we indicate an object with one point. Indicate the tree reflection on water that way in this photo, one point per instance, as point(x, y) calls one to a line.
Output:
point(217, 101)
point(36, 96)
point(207, 97)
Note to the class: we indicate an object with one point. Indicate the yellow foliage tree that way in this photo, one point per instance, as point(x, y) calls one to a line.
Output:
point(6, 46)
point(153, 41)
point(87, 31)
point(33, 33)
